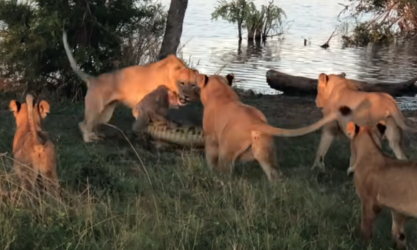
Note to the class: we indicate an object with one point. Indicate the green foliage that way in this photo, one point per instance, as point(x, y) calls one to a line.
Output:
point(234, 11)
point(363, 34)
point(273, 18)
point(101, 33)
point(390, 19)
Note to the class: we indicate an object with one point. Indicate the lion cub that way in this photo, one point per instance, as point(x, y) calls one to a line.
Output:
point(381, 181)
point(33, 150)
point(153, 108)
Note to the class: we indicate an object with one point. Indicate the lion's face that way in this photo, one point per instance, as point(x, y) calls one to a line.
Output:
point(20, 112)
point(195, 91)
point(325, 86)
point(208, 84)
point(351, 130)
point(187, 76)
point(354, 132)
point(188, 93)
point(188, 90)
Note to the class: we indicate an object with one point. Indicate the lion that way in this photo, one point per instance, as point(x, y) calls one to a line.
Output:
point(127, 86)
point(336, 90)
point(235, 131)
point(188, 115)
point(153, 108)
point(33, 150)
point(381, 181)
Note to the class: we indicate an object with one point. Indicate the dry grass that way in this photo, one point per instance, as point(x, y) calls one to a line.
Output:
point(111, 202)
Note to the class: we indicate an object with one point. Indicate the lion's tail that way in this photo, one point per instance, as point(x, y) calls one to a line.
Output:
point(29, 103)
point(84, 76)
point(265, 128)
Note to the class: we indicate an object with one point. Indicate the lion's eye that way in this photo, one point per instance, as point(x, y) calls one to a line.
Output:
point(182, 83)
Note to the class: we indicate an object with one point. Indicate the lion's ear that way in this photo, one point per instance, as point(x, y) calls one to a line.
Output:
point(323, 79)
point(135, 112)
point(206, 80)
point(351, 130)
point(44, 108)
point(343, 74)
point(202, 80)
point(230, 77)
point(14, 106)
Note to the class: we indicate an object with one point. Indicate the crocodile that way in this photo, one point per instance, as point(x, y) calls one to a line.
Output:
point(191, 136)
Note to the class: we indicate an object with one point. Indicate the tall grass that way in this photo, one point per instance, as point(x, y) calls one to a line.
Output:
point(111, 202)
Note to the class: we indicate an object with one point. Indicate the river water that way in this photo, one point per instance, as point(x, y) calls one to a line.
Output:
point(211, 45)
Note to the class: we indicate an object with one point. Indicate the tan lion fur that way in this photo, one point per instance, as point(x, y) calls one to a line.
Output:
point(236, 131)
point(382, 181)
point(127, 86)
point(336, 90)
point(33, 151)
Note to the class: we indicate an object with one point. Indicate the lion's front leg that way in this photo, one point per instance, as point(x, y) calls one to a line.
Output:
point(212, 152)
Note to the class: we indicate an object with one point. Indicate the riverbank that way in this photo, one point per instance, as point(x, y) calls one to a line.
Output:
point(172, 201)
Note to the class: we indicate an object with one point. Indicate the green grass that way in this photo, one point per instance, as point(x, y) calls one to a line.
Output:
point(173, 201)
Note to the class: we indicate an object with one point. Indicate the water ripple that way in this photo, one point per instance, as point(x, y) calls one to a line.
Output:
point(214, 44)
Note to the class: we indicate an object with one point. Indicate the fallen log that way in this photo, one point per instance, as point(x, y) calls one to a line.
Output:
point(304, 86)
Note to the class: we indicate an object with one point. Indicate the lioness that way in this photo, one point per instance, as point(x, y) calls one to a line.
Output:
point(382, 181)
point(33, 150)
point(236, 131)
point(334, 91)
point(128, 86)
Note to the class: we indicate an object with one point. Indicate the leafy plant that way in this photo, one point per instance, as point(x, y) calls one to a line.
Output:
point(105, 35)
point(390, 18)
point(244, 12)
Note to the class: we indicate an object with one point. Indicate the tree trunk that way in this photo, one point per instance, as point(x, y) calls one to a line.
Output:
point(304, 86)
point(173, 29)
point(239, 28)
point(251, 33)
point(258, 33)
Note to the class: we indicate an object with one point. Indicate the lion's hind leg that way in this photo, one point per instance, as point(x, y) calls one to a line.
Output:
point(398, 221)
point(94, 107)
point(394, 136)
point(27, 175)
point(263, 150)
point(104, 118)
point(234, 149)
point(107, 113)
point(47, 169)
point(327, 137)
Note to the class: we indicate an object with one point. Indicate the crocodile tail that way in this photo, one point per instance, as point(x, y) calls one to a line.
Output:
point(187, 136)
